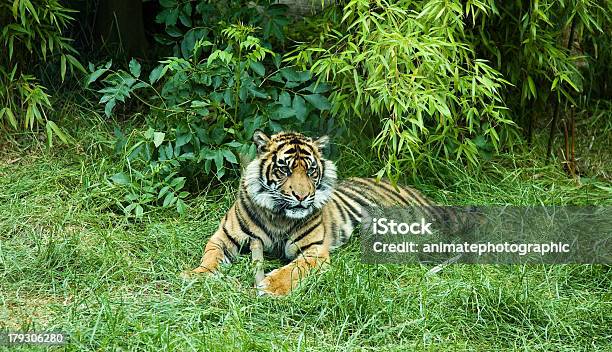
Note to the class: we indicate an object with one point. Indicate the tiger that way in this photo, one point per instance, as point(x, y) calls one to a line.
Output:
point(289, 198)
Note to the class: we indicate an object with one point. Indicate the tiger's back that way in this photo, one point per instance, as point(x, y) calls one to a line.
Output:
point(343, 212)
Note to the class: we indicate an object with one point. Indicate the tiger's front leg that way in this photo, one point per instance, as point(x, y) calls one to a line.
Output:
point(224, 245)
point(311, 253)
point(214, 254)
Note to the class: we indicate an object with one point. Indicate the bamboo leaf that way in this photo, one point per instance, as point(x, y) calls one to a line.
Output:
point(63, 67)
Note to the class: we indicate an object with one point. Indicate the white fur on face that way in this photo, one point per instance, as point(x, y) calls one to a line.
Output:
point(255, 189)
point(264, 195)
point(326, 187)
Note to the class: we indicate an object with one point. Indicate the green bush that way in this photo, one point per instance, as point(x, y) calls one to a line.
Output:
point(203, 112)
point(451, 79)
point(409, 68)
point(32, 31)
point(185, 22)
point(529, 43)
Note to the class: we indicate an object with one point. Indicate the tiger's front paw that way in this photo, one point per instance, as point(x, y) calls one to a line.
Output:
point(199, 271)
point(279, 282)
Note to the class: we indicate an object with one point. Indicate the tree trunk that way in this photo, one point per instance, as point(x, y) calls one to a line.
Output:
point(119, 25)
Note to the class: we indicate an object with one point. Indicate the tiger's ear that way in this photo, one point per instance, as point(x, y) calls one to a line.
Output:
point(322, 142)
point(261, 141)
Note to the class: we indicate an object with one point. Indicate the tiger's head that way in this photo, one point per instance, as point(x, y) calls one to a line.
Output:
point(290, 177)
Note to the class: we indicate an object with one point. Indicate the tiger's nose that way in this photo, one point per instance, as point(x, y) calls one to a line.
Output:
point(299, 197)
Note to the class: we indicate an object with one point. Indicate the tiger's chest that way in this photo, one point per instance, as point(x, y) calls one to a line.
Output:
point(324, 228)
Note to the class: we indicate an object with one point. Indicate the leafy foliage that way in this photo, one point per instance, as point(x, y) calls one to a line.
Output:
point(31, 31)
point(204, 110)
point(409, 67)
point(452, 79)
point(531, 47)
point(187, 22)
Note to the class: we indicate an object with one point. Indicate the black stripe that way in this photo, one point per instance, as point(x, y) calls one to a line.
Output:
point(308, 231)
point(304, 151)
point(304, 248)
point(354, 195)
point(227, 254)
point(352, 212)
point(287, 137)
point(384, 188)
point(218, 246)
point(417, 199)
point(341, 211)
point(269, 174)
point(215, 246)
point(296, 225)
point(294, 141)
point(244, 228)
point(377, 187)
point(232, 239)
point(351, 209)
point(334, 230)
point(425, 202)
point(262, 165)
point(322, 169)
point(254, 217)
point(282, 144)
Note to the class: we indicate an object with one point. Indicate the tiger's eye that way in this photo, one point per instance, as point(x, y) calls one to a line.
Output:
point(312, 169)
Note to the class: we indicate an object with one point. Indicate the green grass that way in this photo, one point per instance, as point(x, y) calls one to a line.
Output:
point(69, 263)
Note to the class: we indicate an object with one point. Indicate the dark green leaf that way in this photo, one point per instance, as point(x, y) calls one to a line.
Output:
point(163, 191)
point(174, 31)
point(63, 67)
point(180, 206)
point(285, 99)
point(108, 109)
point(316, 88)
point(135, 68)
point(120, 178)
point(318, 101)
point(156, 74)
point(282, 112)
point(183, 139)
point(258, 68)
point(300, 108)
point(219, 163)
point(169, 199)
point(290, 74)
point(229, 156)
point(188, 43)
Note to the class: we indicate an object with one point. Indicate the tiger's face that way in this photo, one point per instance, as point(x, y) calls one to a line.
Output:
point(290, 177)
